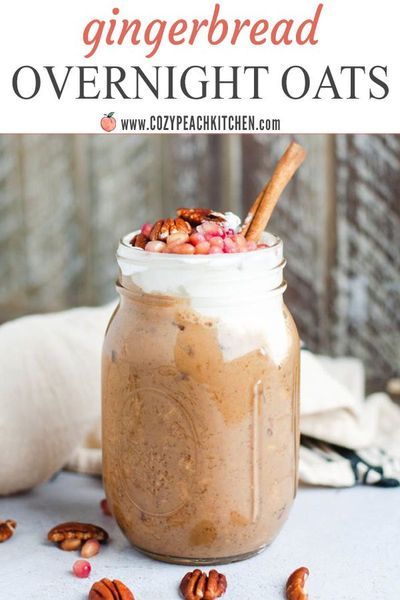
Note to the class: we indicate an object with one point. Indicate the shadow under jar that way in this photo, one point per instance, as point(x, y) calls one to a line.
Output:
point(200, 403)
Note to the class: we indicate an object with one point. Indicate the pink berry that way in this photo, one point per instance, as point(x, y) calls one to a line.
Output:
point(209, 229)
point(105, 508)
point(230, 246)
point(251, 245)
point(146, 229)
point(216, 250)
point(241, 241)
point(155, 246)
point(202, 248)
point(180, 237)
point(196, 238)
point(182, 249)
point(210, 236)
point(90, 548)
point(217, 241)
point(81, 568)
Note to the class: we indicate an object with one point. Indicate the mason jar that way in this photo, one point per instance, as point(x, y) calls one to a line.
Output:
point(200, 391)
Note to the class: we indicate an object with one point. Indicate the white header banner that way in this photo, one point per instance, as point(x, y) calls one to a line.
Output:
point(294, 66)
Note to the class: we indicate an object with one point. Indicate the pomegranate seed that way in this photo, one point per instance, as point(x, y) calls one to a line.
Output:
point(146, 228)
point(178, 238)
point(182, 249)
point(211, 229)
point(230, 246)
point(156, 246)
point(202, 248)
point(216, 250)
point(251, 245)
point(90, 548)
point(81, 568)
point(241, 241)
point(230, 232)
point(217, 241)
point(262, 246)
point(210, 236)
point(196, 238)
point(105, 508)
point(200, 229)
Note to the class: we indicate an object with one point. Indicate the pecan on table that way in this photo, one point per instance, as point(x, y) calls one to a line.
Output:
point(7, 529)
point(76, 531)
point(197, 585)
point(105, 589)
point(71, 544)
point(295, 584)
point(196, 216)
point(165, 227)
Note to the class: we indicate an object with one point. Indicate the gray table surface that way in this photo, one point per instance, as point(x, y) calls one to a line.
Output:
point(349, 539)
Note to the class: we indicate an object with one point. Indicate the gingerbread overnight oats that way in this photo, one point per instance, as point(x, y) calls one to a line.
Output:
point(200, 391)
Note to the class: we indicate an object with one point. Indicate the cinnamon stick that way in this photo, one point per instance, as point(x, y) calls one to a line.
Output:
point(283, 173)
point(252, 211)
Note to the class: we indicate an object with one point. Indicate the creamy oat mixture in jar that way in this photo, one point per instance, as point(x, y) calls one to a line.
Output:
point(200, 402)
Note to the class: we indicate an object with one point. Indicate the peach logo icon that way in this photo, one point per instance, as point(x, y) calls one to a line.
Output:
point(108, 122)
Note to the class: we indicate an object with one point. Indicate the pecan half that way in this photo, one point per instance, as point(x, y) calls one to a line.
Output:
point(139, 241)
point(105, 589)
point(155, 232)
point(165, 227)
point(197, 585)
point(77, 531)
point(7, 529)
point(295, 584)
point(196, 216)
point(71, 544)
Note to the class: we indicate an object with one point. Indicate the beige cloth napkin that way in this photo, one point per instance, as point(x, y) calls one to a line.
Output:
point(334, 409)
point(49, 392)
point(50, 405)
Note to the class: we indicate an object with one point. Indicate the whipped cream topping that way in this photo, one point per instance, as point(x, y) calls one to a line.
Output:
point(199, 277)
point(232, 221)
point(239, 290)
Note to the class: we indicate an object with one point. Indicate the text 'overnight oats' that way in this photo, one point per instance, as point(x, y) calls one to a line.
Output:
point(200, 389)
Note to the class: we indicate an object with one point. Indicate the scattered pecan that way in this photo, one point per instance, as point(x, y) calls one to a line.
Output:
point(139, 241)
point(77, 531)
point(7, 529)
point(71, 544)
point(197, 585)
point(196, 216)
point(165, 227)
point(295, 584)
point(105, 589)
